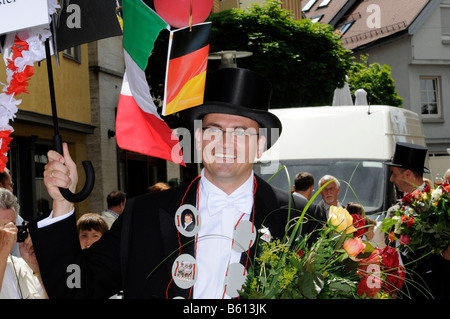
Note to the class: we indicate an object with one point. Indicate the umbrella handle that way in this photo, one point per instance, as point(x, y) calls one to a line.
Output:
point(88, 170)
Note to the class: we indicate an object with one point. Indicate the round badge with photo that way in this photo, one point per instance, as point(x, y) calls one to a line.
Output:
point(235, 279)
point(184, 271)
point(187, 220)
point(244, 236)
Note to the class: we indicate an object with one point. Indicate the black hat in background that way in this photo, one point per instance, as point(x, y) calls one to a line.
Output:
point(240, 92)
point(409, 156)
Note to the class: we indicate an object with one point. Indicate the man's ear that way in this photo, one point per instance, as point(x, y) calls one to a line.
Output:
point(198, 139)
point(261, 146)
point(408, 173)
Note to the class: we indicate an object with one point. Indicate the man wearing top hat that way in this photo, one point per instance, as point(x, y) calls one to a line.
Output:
point(145, 250)
point(429, 275)
point(407, 167)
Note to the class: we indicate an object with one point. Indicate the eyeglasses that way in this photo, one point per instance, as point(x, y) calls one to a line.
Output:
point(212, 131)
point(329, 189)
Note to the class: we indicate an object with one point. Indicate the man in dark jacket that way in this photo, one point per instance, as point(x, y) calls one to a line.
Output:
point(147, 253)
point(426, 277)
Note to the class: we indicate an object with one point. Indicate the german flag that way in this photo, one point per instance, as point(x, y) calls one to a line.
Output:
point(186, 68)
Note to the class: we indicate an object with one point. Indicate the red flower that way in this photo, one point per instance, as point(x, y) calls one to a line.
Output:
point(19, 80)
point(3, 161)
point(389, 257)
point(17, 87)
point(4, 148)
point(359, 223)
point(409, 220)
point(366, 264)
point(374, 258)
point(28, 71)
point(407, 199)
point(395, 272)
point(446, 187)
point(21, 43)
point(404, 239)
point(369, 285)
point(11, 65)
point(427, 189)
point(394, 279)
point(18, 47)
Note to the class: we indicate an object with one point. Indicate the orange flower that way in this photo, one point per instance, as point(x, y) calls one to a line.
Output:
point(353, 246)
point(391, 236)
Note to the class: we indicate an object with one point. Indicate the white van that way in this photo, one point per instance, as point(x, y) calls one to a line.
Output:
point(348, 142)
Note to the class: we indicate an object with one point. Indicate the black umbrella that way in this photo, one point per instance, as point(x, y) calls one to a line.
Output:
point(89, 21)
point(57, 140)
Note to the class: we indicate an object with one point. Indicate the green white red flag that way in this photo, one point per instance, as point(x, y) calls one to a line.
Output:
point(139, 128)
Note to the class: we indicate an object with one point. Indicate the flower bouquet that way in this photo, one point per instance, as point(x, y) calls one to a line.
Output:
point(337, 265)
point(422, 222)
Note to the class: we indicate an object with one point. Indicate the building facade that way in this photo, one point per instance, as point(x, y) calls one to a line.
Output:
point(34, 130)
point(413, 38)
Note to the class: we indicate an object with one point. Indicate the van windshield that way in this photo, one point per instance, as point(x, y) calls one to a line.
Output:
point(361, 180)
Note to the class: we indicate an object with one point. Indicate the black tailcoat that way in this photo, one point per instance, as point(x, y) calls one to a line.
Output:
point(133, 255)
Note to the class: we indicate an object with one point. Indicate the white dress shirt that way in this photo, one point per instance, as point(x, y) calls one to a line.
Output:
point(214, 252)
point(19, 281)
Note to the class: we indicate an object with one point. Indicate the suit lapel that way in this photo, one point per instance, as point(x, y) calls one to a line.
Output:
point(174, 240)
point(264, 203)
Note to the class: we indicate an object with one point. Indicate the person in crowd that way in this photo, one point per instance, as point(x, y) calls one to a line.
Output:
point(407, 169)
point(5, 180)
point(19, 277)
point(90, 228)
point(371, 228)
point(146, 248)
point(158, 187)
point(116, 203)
point(303, 185)
point(447, 176)
point(329, 193)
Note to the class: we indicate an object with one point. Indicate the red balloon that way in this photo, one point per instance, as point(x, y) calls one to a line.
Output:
point(177, 12)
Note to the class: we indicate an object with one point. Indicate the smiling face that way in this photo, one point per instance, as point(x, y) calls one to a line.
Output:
point(228, 160)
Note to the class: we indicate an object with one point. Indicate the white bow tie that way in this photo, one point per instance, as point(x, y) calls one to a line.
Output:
point(240, 202)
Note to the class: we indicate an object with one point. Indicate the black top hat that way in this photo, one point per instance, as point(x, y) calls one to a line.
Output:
point(238, 92)
point(409, 156)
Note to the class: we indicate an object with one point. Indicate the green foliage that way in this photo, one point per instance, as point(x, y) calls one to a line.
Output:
point(376, 80)
point(303, 60)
